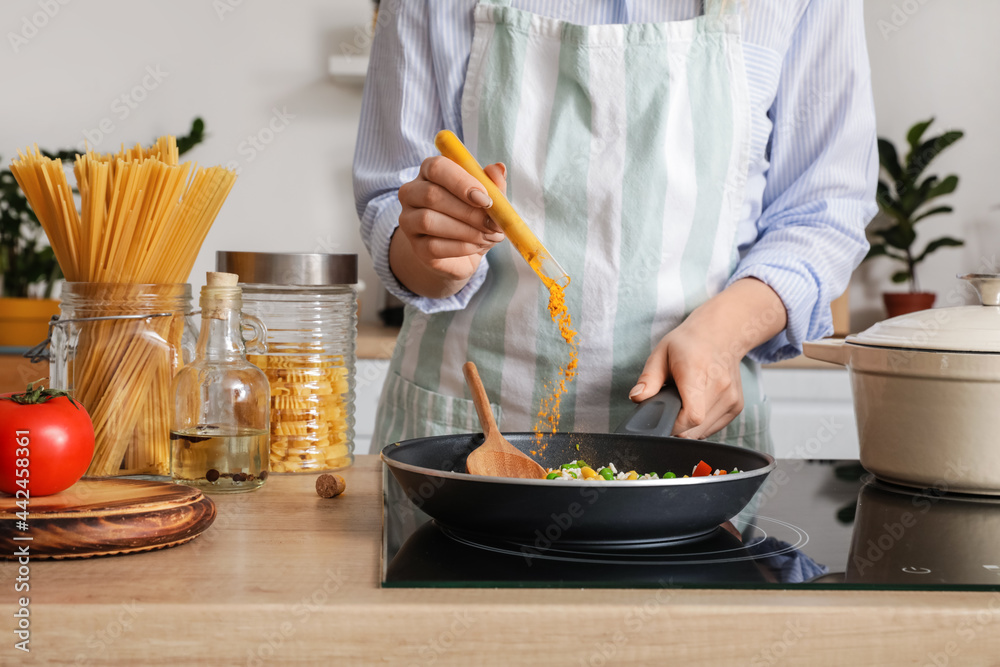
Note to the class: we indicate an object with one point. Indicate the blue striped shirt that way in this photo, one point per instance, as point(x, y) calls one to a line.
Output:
point(813, 165)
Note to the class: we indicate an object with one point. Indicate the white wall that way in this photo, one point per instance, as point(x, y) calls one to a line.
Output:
point(233, 68)
point(939, 58)
point(295, 195)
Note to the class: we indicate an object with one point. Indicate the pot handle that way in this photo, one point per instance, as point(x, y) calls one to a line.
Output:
point(654, 416)
point(833, 350)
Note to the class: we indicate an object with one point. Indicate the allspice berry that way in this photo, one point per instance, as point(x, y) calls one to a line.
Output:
point(328, 486)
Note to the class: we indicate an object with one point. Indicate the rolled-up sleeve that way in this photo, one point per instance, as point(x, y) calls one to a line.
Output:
point(820, 192)
point(401, 113)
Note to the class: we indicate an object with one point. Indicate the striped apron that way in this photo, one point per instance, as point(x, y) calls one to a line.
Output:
point(627, 149)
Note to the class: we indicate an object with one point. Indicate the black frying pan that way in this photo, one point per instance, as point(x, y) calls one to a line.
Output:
point(538, 513)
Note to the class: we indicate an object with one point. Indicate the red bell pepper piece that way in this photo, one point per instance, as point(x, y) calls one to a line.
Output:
point(701, 470)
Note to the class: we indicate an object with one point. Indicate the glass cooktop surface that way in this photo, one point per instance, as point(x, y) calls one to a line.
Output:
point(812, 524)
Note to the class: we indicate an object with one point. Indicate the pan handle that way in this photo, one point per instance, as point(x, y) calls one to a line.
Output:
point(654, 416)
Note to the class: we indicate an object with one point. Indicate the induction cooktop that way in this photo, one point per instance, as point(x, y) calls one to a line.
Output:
point(813, 524)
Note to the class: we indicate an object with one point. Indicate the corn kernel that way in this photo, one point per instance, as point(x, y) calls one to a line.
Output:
point(588, 472)
point(632, 475)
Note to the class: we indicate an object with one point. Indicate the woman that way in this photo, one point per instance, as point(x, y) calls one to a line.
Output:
point(703, 173)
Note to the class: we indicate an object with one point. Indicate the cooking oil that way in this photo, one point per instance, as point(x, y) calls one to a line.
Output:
point(217, 462)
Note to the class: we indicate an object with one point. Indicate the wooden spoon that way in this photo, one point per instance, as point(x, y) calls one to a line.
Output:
point(495, 457)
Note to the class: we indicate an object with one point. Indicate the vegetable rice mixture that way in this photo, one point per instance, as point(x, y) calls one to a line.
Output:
point(579, 469)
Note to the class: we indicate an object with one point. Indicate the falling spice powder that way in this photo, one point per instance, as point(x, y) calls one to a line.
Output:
point(552, 393)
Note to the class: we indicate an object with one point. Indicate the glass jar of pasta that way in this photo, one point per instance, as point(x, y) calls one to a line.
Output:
point(117, 347)
point(308, 303)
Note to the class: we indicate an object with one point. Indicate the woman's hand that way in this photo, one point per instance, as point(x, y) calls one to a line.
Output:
point(444, 230)
point(702, 356)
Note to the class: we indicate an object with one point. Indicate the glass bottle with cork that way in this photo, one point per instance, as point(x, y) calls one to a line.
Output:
point(219, 435)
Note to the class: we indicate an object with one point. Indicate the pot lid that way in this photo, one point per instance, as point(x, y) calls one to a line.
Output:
point(962, 329)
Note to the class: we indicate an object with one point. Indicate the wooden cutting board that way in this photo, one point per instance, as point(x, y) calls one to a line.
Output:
point(104, 517)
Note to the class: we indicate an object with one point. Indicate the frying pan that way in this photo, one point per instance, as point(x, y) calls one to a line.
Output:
point(628, 514)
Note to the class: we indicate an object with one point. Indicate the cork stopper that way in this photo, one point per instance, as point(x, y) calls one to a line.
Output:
point(222, 295)
point(219, 279)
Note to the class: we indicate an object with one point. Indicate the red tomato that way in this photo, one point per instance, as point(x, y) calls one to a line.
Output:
point(45, 446)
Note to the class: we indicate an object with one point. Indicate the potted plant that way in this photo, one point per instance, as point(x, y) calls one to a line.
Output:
point(28, 270)
point(28, 267)
point(902, 202)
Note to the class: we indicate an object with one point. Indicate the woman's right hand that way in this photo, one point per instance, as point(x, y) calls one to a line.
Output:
point(444, 230)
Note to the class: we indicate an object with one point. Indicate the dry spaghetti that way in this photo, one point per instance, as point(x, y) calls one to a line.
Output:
point(143, 217)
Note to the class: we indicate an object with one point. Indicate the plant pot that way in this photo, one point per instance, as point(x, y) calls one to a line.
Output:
point(901, 303)
point(926, 387)
point(25, 322)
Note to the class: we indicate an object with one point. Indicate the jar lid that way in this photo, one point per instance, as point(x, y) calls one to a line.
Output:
point(962, 329)
point(277, 268)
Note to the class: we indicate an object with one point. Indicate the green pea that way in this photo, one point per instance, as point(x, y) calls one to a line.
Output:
point(734, 471)
point(581, 463)
point(567, 466)
point(669, 475)
point(606, 473)
point(553, 475)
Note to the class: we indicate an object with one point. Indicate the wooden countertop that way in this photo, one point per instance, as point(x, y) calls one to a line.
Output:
point(286, 577)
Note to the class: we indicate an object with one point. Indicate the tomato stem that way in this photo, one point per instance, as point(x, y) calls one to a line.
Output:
point(37, 394)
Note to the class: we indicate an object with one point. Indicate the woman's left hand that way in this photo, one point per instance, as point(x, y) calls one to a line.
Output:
point(702, 356)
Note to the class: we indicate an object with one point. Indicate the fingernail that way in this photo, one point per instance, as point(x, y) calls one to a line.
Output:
point(493, 238)
point(480, 198)
point(493, 226)
point(503, 168)
point(636, 390)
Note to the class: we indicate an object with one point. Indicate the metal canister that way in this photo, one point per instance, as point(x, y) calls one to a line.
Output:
point(308, 303)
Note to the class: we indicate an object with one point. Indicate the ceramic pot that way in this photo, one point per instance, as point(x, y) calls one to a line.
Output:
point(901, 303)
point(926, 387)
point(25, 322)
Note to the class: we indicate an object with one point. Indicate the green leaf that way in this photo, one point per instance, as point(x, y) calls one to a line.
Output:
point(915, 197)
point(945, 187)
point(900, 276)
point(900, 236)
point(920, 158)
point(889, 159)
point(194, 137)
point(933, 211)
point(887, 203)
point(916, 133)
point(943, 242)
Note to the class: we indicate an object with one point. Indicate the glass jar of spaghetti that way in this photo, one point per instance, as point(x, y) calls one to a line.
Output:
point(117, 347)
point(308, 303)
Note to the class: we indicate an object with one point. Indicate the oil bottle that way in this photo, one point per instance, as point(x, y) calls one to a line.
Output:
point(219, 438)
